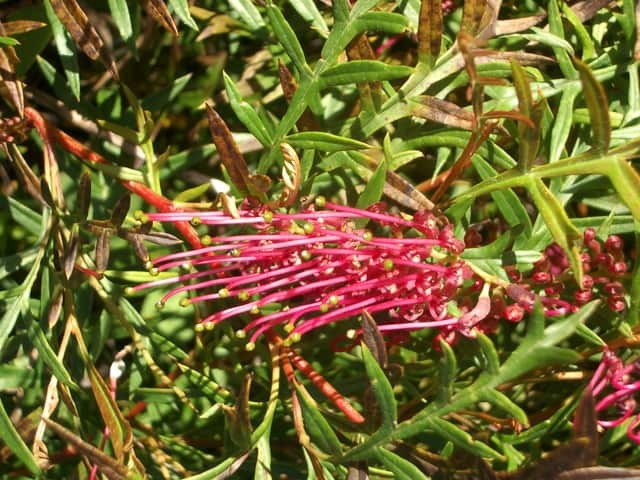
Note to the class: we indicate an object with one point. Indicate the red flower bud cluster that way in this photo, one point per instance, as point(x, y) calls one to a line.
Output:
point(553, 281)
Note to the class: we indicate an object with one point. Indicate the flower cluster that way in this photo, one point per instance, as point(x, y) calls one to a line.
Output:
point(296, 272)
point(615, 386)
point(551, 278)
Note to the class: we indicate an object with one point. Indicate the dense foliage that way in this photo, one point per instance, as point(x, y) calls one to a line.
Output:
point(308, 239)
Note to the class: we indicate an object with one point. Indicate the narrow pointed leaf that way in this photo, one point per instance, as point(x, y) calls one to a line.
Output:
point(11, 438)
point(373, 339)
point(181, 8)
point(316, 426)
point(83, 33)
point(429, 31)
point(71, 251)
point(324, 141)
point(246, 113)
point(102, 251)
point(460, 438)
point(161, 14)
point(401, 468)
point(374, 188)
point(382, 390)
point(13, 85)
point(598, 105)
point(287, 37)
point(357, 71)
point(119, 213)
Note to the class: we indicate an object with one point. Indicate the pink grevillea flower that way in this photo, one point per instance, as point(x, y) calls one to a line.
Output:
point(296, 272)
point(616, 387)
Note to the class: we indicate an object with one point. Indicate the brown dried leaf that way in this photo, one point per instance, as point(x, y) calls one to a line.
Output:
point(107, 465)
point(71, 252)
point(306, 122)
point(8, 78)
point(430, 30)
point(86, 37)
point(373, 339)
point(21, 26)
point(55, 309)
point(229, 153)
point(84, 196)
point(472, 14)
point(290, 175)
point(161, 238)
point(159, 11)
point(120, 211)
point(29, 179)
point(103, 249)
point(370, 92)
point(138, 246)
point(442, 111)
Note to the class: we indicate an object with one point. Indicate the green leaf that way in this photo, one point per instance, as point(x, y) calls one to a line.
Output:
point(326, 142)
point(358, 71)
point(460, 438)
point(507, 201)
point(598, 106)
point(400, 468)
point(49, 356)
point(446, 373)
point(246, 113)
point(66, 49)
point(500, 400)
point(13, 440)
point(287, 38)
point(160, 99)
point(248, 13)
point(192, 194)
point(562, 123)
point(316, 426)
point(382, 390)
point(8, 41)
point(181, 9)
point(558, 223)
point(122, 19)
point(374, 188)
point(309, 11)
point(489, 352)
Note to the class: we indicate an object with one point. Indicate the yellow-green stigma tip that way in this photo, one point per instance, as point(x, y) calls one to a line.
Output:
point(138, 214)
point(289, 327)
point(287, 342)
point(185, 302)
point(206, 240)
point(305, 255)
point(128, 291)
point(308, 228)
point(267, 216)
point(250, 347)
point(388, 264)
point(351, 334)
point(241, 334)
point(235, 252)
point(223, 293)
point(159, 305)
point(153, 271)
point(243, 296)
point(186, 266)
point(209, 326)
point(195, 221)
point(333, 299)
point(254, 310)
point(199, 328)
point(367, 236)
point(148, 265)
point(320, 201)
point(295, 337)
point(324, 308)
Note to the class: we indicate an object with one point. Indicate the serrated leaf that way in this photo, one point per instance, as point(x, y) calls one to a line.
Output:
point(358, 71)
point(324, 141)
point(598, 105)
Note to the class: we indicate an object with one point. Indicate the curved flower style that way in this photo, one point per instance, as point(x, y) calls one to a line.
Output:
point(617, 386)
point(304, 270)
